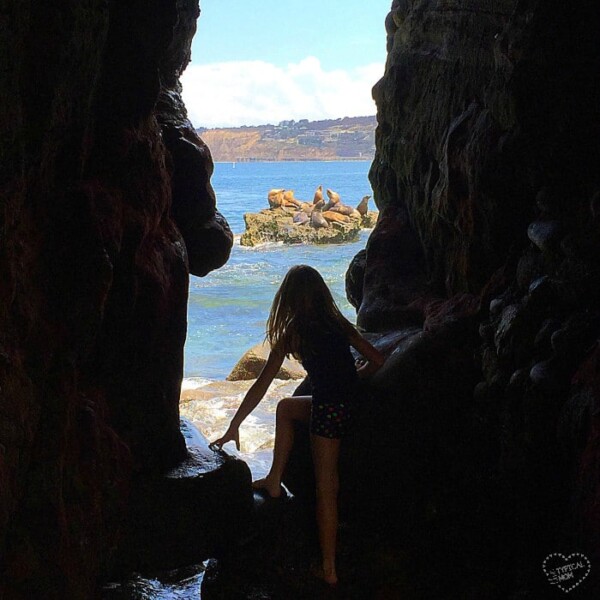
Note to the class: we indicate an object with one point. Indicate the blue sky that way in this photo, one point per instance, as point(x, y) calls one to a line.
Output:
point(265, 61)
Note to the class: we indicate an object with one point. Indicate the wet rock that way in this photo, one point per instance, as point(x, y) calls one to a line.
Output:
point(541, 292)
point(496, 306)
point(545, 234)
point(542, 339)
point(508, 322)
point(187, 514)
point(515, 334)
point(547, 376)
point(253, 361)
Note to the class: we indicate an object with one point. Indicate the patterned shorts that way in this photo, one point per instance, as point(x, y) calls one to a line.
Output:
point(329, 419)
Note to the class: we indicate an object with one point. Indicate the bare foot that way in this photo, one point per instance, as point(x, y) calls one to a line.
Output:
point(273, 487)
point(329, 576)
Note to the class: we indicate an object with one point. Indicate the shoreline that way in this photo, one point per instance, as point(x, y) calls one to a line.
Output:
point(292, 160)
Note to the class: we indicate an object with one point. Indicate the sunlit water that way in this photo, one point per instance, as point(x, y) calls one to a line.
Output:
point(229, 307)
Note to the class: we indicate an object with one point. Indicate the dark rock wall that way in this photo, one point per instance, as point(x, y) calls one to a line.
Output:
point(93, 274)
point(486, 175)
point(483, 105)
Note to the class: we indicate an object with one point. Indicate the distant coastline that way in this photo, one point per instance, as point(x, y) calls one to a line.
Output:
point(347, 139)
point(267, 160)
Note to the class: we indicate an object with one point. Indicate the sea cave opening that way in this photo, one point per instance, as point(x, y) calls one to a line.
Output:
point(279, 114)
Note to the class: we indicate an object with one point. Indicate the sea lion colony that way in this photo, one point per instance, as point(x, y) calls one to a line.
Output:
point(317, 213)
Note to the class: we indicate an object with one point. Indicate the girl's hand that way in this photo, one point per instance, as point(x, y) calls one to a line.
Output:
point(231, 435)
point(365, 368)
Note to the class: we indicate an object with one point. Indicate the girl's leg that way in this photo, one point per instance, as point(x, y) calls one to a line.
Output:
point(325, 458)
point(289, 410)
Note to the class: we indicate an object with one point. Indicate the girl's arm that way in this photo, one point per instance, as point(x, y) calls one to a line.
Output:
point(374, 358)
point(253, 396)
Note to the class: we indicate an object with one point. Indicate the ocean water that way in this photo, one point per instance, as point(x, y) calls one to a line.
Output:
point(228, 308)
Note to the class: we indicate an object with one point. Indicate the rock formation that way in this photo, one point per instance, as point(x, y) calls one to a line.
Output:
point(293, 221)
point(277, 225)
point(105, 205)
point(488, 243)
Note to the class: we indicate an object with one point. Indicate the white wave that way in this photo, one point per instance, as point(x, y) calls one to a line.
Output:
point(194, 383)
point(261, 246)
point(211, 406)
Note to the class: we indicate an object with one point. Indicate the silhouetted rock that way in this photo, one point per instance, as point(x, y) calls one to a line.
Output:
point(186, 514)
point(355, 276)
point(94, 277)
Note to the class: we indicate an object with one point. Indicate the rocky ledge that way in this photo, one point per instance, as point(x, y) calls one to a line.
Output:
point(277, 225)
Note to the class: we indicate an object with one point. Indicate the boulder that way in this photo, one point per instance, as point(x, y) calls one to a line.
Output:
point(185, 514)
point(253, 361)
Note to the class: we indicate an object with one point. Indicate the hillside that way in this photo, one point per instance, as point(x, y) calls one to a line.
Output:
point(340, 139)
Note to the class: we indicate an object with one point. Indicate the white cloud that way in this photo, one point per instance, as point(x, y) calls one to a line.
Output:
point(231, 94)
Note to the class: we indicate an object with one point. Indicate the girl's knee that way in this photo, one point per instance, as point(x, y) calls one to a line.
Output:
point(283, 407)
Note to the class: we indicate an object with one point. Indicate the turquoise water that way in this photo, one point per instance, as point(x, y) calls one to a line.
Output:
point(228, 308)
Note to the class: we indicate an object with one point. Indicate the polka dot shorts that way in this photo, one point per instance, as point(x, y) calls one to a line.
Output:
point(328, 419)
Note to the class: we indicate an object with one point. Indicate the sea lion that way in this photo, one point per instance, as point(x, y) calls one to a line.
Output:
point(333, 216)
point(300, 218)
point(346, 210)
point(316, 219)
point(334, 198)
point(307, 207)
point(342, 209)
point(275, 198)
point(289, 200)
point(318, 194)
point(363, 206)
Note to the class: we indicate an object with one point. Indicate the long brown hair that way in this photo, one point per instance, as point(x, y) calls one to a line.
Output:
point(302, 298)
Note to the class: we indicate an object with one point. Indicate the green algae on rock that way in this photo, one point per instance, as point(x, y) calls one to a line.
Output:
point(277, 225)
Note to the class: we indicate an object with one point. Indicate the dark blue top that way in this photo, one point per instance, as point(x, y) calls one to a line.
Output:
point(330, 364)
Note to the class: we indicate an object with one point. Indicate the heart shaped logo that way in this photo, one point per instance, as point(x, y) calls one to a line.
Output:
point(566, 572)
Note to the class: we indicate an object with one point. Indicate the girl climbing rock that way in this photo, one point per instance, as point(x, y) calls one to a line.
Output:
point(305, 323)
